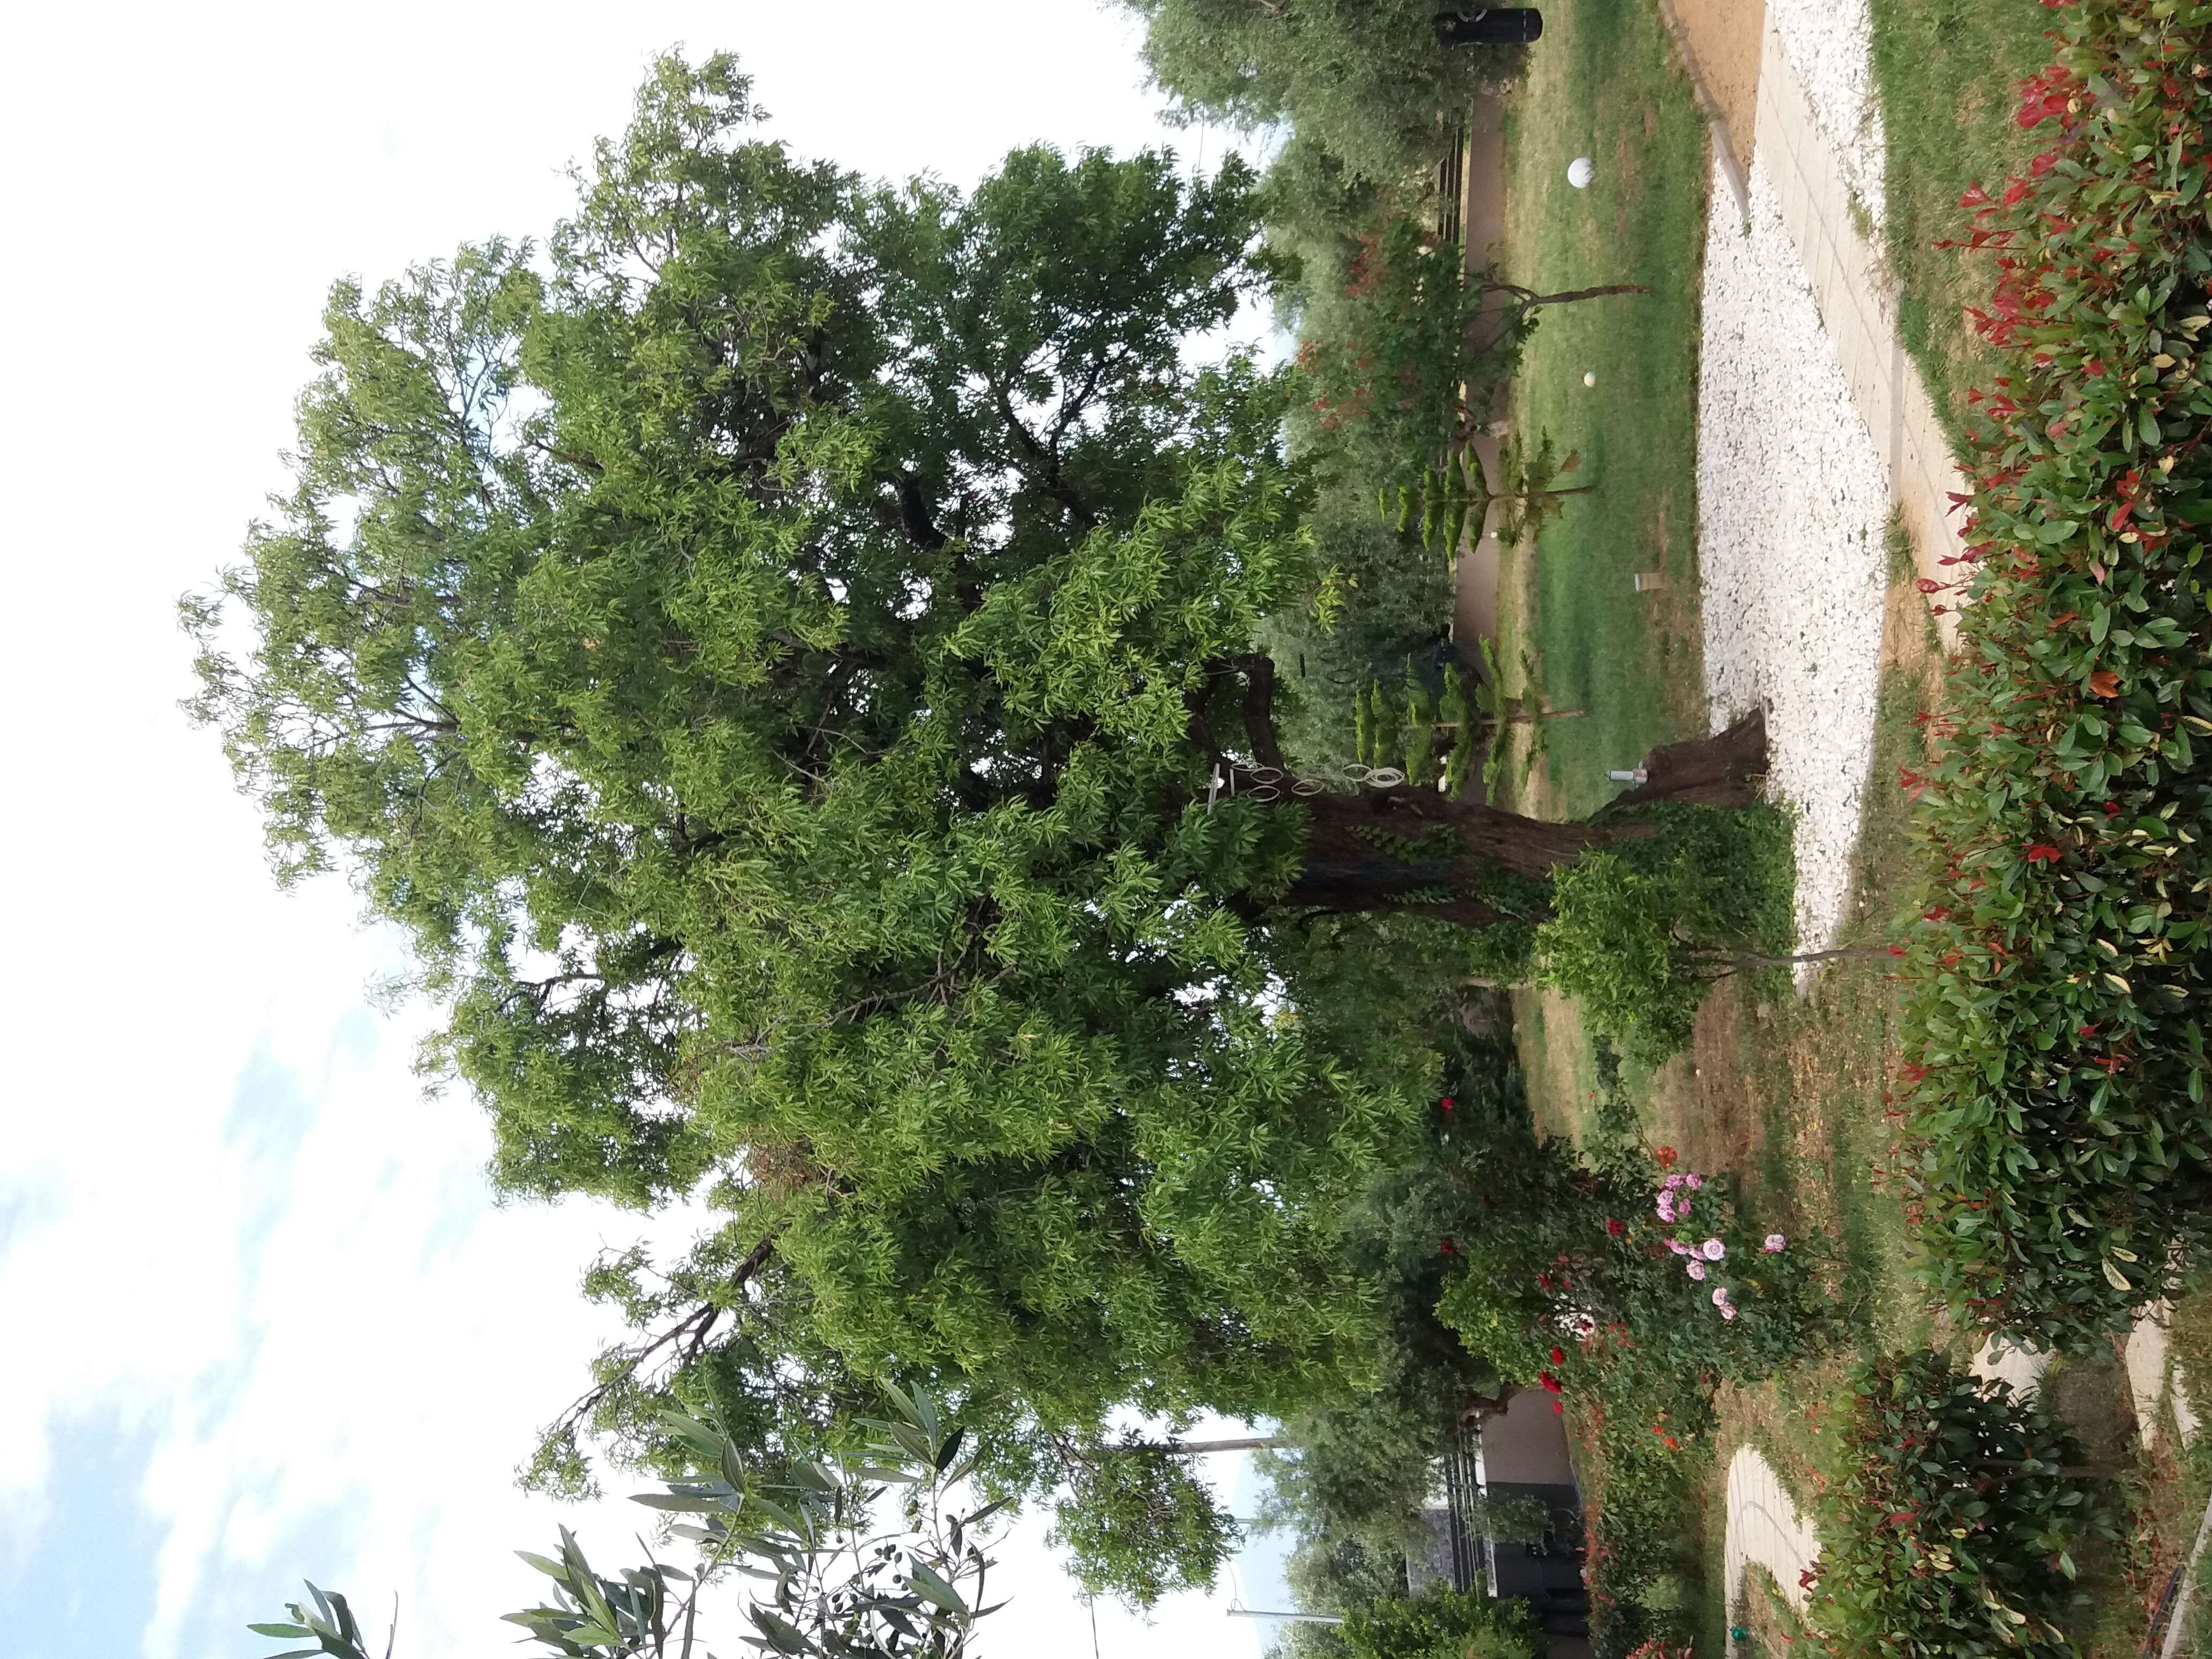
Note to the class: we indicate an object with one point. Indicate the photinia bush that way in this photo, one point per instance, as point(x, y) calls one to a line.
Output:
point(1948, 1520)
point(2056, 1148)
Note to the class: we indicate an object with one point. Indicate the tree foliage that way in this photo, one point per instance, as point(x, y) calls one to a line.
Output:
point(833, 1575)
point(769, 648)
point(1364, 81)
point(1139, 1523)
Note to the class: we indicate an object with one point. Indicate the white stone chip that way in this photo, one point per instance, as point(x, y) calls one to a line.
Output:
point(1830, 44)
point(1793, 500)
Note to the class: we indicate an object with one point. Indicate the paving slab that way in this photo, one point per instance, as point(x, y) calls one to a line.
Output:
point(1764, 1529)
point(1857, 305)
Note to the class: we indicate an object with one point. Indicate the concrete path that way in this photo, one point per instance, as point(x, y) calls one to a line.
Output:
point(2154, 1381)
point(2156, 1385)
point(1857, 307)
point(1764, 1529)
point(2004, 1362)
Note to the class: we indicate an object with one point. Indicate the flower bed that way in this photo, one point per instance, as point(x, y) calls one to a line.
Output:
point(1629, 1294)
point(2056, 1148)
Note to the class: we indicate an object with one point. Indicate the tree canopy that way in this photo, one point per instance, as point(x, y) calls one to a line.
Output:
point(754, 643)
point(784, 648)
point(1364, 82)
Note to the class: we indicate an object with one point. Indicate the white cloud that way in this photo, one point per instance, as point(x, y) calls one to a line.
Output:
point(228, 1220)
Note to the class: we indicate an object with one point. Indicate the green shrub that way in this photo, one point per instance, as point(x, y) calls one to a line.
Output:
point(1611, 942)
point(1395, 387)
point(1442, 1624)
point(1948, 1527)
point(1612, 1283)
point(2056, 1076)
point(1639, 934)
point(1596, 1283)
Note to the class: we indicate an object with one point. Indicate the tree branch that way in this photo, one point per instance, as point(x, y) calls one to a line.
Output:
point(1260, 707)
point(687, 1336)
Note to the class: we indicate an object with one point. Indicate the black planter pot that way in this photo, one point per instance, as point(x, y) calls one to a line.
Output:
point(1493, 26)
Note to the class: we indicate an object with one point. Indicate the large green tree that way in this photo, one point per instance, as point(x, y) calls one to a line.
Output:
point(1367, 83)
point(785, 650)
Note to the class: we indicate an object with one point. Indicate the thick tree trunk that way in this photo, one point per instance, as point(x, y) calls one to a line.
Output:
point(1413, 849)
point(1722, 770)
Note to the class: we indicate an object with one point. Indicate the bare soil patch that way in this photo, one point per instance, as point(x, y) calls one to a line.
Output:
point(1697, 1102)
point(1725, 37)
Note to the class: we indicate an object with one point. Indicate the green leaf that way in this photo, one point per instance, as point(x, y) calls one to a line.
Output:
point(679, 1503)
point(782, 1635)
point(928, 1584)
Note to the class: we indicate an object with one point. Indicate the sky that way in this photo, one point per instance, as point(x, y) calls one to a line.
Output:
point(260, 1316)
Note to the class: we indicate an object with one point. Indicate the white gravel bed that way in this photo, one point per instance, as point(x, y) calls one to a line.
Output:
point(1793, 499)
point(1830, 45)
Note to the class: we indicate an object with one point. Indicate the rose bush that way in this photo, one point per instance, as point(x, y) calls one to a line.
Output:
point(2056, 1151)
point(1629, 1289)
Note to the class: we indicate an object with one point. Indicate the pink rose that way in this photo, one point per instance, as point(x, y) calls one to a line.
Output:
point(1713, 1250)
point(1666, 1207)
point(1697, 1267)
point(1693, 1181)
point(1776, 1243)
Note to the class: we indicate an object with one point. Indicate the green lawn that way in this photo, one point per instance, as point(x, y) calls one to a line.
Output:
point(1946, 70)
point(1603, 85)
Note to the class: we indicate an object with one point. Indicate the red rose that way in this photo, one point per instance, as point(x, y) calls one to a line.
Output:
point(1559, 1358)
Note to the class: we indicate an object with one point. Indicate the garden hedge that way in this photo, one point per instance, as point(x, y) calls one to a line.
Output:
point(2057, 1148)
point(1948, 1519)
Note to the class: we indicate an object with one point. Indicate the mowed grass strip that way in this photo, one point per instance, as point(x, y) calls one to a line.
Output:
point(1602, 83)
point(1946, 70)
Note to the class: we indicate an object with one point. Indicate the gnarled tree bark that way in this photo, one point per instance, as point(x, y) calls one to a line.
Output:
point(1413, 849)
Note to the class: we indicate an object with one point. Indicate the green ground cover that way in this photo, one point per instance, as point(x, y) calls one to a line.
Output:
point(1604, 86)
point(1947, 70)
